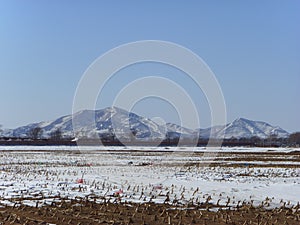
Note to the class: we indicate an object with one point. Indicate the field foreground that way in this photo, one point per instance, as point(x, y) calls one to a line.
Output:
point(86, 212)
point(149, 186)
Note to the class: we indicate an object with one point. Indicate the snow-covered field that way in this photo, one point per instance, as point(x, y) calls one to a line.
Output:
point(144, 148)
point(39, 175)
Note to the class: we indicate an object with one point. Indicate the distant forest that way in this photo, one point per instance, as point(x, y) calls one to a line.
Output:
point(34, 137)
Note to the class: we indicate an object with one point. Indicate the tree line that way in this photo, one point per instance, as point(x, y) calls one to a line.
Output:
point(36, 133)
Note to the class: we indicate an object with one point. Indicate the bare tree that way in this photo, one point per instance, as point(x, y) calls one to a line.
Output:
point(294, 138)
point(111, 133)
point(255, 140)
point(35, 133)
point(56, 135)
point(132, 134)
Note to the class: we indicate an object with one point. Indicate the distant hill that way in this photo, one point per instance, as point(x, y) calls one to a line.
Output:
point(123, 123)
point(244, 128)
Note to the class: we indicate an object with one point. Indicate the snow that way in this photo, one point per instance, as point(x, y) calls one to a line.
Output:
point(145, 175)
point(122, 121)
point(146, 148)
point(241, 127)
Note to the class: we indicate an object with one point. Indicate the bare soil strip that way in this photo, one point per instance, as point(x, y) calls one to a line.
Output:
point(147, 213)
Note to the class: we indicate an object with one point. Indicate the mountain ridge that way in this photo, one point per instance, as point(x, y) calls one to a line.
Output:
point(122, 123)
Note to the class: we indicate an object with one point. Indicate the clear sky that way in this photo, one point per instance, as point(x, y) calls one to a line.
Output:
point(253, 47)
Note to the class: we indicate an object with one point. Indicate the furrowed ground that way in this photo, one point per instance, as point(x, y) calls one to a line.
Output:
point(85, 212)
point(149, 186)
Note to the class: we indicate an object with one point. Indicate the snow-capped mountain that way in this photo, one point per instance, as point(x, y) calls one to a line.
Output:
point(106, 120)
point(175, 131)
point(123, 124)
point(243, 128)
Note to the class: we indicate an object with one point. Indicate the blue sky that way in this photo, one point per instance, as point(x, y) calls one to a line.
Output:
point(252, 47)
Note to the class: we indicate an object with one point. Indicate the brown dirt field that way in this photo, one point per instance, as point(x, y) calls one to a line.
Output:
point(80, 213)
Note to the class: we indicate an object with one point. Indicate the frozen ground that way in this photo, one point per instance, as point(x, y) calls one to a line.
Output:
point(227, 177)
point(144, 148)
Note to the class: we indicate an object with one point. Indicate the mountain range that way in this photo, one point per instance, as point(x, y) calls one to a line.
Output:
point(122, 123)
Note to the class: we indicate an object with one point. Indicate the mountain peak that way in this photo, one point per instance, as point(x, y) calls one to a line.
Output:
point(113, 110)
point(242, 127)
point(91, 123)
point(241, 119)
